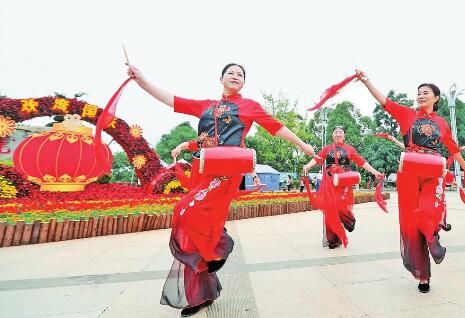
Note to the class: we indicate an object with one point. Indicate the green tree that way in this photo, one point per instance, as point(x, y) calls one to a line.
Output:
point(181, 133)
point(276, 152)
point(346, 115)
point(382, 154)
point(121, 170)
point(383, 121)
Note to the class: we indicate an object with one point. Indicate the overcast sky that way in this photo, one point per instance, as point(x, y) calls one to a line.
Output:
point(297, 47)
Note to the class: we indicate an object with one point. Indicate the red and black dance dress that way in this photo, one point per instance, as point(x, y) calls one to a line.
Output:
point(336, 201)
point(198, 234)
point(421, 199)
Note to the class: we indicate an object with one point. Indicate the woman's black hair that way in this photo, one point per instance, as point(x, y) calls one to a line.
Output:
point(232, 64)
point(339, 127)
point(436, 92)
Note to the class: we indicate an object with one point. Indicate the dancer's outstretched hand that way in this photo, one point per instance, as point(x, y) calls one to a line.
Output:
point(136, 74)
point(176, 152)
point(362, 76)
point(378, 175)
point(307, 167)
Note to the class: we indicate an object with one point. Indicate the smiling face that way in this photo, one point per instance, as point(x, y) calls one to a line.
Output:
point(426, 98)
point(233, 80)
point(338, 135)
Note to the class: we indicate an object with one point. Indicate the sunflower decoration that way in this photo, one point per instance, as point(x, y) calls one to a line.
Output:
point(136, 131)
point(139, 161)
point(7, 126)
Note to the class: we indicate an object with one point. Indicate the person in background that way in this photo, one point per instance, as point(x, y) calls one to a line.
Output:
point(302, 185)
point(318, 178)
point(289, 182)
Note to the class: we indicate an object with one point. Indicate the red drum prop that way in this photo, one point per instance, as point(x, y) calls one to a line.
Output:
point(227, 161)
point(344, 179)
point(422, 164)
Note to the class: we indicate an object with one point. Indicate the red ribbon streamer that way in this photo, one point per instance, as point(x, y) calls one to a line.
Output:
point(326, 202)
point(461, 191)
point(332, 91)
point(379, 196)
point(104, 120)
point(311, 195)
point(450, 161)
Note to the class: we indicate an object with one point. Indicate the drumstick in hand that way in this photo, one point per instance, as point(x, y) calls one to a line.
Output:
point(126, 56)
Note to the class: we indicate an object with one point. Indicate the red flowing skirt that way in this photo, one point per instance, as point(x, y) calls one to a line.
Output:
point(198, 236)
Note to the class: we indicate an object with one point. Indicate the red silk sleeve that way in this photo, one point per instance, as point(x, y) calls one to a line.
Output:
point(261, 117)
point(193, 145)
point(191, 106)
point(321, 156)
point(402, 114)
point(446, 138)
point(356, 157)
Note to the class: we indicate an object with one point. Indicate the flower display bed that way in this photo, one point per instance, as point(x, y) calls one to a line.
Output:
point(117, 209)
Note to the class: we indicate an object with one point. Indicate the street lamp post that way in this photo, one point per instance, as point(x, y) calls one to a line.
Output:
point(295, 154)
point(324, 124)
point(451, 98)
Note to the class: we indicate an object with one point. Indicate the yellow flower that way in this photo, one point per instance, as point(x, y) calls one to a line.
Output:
point(136, 131)
point(7, 189)
point(7, 126)
point(172, 185)
point(139, 161)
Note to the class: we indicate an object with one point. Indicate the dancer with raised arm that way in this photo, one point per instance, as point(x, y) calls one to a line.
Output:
point(199, 242)
point(420, 180)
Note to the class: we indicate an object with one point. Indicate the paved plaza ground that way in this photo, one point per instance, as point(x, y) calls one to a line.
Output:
point(278, 269)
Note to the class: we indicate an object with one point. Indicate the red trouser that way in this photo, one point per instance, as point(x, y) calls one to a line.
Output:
point(199, 236)
point(344, 198)
point(421, 211)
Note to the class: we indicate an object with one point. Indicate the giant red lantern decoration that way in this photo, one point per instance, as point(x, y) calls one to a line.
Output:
point(62, 159)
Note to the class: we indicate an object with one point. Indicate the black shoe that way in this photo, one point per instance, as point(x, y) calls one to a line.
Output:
point(189, 311)
point(332, 246)
point(214, 266)
point(423, 288)
point(446, 227)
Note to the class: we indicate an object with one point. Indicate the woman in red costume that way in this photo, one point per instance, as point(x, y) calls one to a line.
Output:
point(421, 199)
point(339, 200)
point(199, 242)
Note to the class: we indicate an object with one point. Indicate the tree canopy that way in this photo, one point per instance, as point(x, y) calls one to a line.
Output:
point(179, 134)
